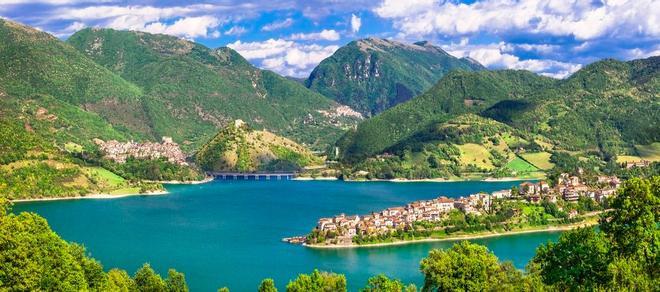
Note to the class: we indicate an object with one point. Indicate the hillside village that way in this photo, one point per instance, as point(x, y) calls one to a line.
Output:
point(120, 151)
point(568, 188)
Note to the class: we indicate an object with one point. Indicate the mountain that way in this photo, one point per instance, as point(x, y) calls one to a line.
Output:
point(238, 147)
point(608, 106)
point(201, 90)
point(36, 65)
point(372, 75)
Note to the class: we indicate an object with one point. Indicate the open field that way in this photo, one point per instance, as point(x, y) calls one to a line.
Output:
point(649, 152)
point(520, 165)
point(475, 154)
point(539, 159)
point(644, 152)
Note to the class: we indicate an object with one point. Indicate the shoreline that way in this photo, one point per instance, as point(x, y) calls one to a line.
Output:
point(90, 196)
point(309, 178)
point(207, 179)
point(455, 238)
point(442, 180)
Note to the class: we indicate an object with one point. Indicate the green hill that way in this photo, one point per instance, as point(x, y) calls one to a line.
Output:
point(238, 147)
point(34, 63)
point(457, 93)
point(466, 145)
point(372, 75)
point(201, 90)
point(608, 107)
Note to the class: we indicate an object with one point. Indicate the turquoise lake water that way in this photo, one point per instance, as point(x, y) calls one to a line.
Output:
point(227, 233)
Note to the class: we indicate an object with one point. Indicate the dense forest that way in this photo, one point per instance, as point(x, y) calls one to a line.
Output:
point(609, 108)
point(622, 254)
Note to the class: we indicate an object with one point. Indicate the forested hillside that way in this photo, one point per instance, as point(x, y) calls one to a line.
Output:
point(372, 75)
point(202, 90)
point(608, 106)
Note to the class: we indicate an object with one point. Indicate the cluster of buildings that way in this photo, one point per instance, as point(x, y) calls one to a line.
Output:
point(120, 151)
point(400, 217)
point(570, 188)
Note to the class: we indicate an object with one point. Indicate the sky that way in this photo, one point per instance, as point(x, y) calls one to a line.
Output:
point(550, 37)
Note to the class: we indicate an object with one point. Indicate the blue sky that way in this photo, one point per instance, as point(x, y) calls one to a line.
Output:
point(550, 37)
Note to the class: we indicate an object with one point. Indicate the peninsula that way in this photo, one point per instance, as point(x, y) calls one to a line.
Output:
point(530, 207)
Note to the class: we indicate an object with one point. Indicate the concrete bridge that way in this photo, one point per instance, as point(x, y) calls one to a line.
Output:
point(253, 175)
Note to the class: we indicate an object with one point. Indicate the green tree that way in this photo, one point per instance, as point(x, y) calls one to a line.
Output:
point(223, 289)
point(147, 280)
point(317, 281)
point(465, 267)
point(382, 283)
point(632, 224)
point(267, 285)
point(176, 282)
point(92, 269)
point(34, 258)
point(120, 281)
point(577, 261)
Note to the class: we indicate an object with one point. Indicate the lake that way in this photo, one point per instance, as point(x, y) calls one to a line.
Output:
point(228, 233)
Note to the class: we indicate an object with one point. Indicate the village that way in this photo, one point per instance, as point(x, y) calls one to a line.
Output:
point(120, 151)
point(568, 188)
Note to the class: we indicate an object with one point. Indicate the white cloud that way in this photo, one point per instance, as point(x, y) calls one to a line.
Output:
point(285, 57)
point(188, 27)
point(277, 25)
point(236, 30)
point(584, 20)
point(326, 34)
point(356, 23)
point(144, 14)
point(495, 56)
point(183, 21)
point(398, 8)
point(53, 2)
point(69, 30)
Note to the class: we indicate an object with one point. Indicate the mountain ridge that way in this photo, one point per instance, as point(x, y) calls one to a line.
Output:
point(575, 113)
point(373, 74)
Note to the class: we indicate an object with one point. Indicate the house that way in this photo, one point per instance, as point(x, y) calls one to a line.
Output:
point(445, 204)
point(642, 163)
point(322, 223)
point(528, 188)
point(571, 195)
point(544, 187)
point(502, 194)
point(601, 195)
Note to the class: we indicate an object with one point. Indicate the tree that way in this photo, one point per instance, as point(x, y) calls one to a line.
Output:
point(147, 280)
point(120, 281)
point(317, 281)
point(632, 225)
point(267, 285)
point(176, 282)
point(223, 289)
point(578, 261)
point(34, 258)
point(465, 266)
point(382, 283)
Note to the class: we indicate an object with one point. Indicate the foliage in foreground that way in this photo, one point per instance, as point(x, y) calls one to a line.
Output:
point(34, 258)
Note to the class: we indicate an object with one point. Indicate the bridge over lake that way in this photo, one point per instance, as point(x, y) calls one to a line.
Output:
point(253, 175)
